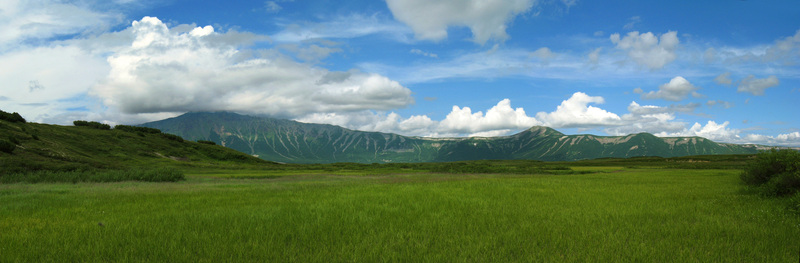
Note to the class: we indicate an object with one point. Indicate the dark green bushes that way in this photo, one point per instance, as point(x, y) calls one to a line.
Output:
point(498, 167)
point(774, 172)
point(144, 175)
point(12, 117)
point(206, 142)
point(136, 129)
point(172, 137)
point(7, 146)
point(92, 124)
point(144, 130)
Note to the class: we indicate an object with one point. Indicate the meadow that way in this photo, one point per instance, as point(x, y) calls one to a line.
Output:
point(596, 211)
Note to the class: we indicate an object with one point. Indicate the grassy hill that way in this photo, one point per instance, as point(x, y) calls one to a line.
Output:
point(42, 147)
point(295, 142)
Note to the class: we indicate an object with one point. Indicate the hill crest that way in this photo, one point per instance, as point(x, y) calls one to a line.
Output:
point(295, 142)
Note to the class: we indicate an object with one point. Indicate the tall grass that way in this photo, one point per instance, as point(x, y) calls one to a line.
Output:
point(138, 174)
point(642, 215)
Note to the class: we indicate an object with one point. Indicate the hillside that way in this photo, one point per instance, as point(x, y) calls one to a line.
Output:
point(68, 148)
point(295, 142)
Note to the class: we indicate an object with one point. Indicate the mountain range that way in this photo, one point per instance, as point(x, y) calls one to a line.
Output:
point(295, 142)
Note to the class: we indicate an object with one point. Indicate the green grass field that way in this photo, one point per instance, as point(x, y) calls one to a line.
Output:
point(611, 213)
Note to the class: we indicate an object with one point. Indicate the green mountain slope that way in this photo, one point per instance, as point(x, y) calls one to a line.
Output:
point(67, 148)
point(295, 142)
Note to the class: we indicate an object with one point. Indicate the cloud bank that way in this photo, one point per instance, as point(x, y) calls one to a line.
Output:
point(175, 70)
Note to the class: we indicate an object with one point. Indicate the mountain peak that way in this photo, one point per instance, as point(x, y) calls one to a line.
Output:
point(542, 131)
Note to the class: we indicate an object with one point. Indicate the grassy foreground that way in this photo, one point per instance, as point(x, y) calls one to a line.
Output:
point(619, 214)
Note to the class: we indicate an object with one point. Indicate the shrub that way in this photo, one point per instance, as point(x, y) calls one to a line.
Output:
point(172, 137)
point(136, 129)
point(139, 174)
point(92, 124)
point(6, 146)
point(774, 172)
point(206, 142)
point(12, 117)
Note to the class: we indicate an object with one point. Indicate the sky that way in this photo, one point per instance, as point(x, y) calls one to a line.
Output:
point(725, 70)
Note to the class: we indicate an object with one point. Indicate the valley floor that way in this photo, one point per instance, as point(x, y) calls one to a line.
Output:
point(611, 214)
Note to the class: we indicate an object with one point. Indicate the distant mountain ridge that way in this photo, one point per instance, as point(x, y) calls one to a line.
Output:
point(295, 142)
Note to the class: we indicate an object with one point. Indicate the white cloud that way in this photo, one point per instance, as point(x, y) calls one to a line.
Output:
point(786, 49)
point(724, 79)
point(710, 55)
point(499, 117)
point(636, 109)
point(721, 103)
point(423, 53)
point(594, 56)
point(756, 86)
point(576, 112)
point(25, 21)
point(783, 52)
point(497, 62)
point(787, 139)
point(350, 26)
point(166, 70)
point(430, 19)
point(42, 80)
point(311, 52)
point(652, 119)
point(632, 22)
point(677, 89)
point(713, 131)
point(371, 121)
point(543, 54)
point(498, 120)
point(272, 7)
point(646, 49)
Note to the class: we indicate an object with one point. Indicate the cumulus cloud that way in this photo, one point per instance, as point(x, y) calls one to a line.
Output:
point(166, 70)
point(371, 121)
point(498, 120)
point(651, 118)
point(756, 86)
point(648, 50)
point(499, 117)
point(677, 89)
point(429, 19)
point(576, 112)
point(713, 131)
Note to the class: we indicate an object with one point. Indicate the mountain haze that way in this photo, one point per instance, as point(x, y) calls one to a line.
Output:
point(295, 142)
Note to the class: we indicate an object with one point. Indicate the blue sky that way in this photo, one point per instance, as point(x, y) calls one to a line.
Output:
point(724, 70)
